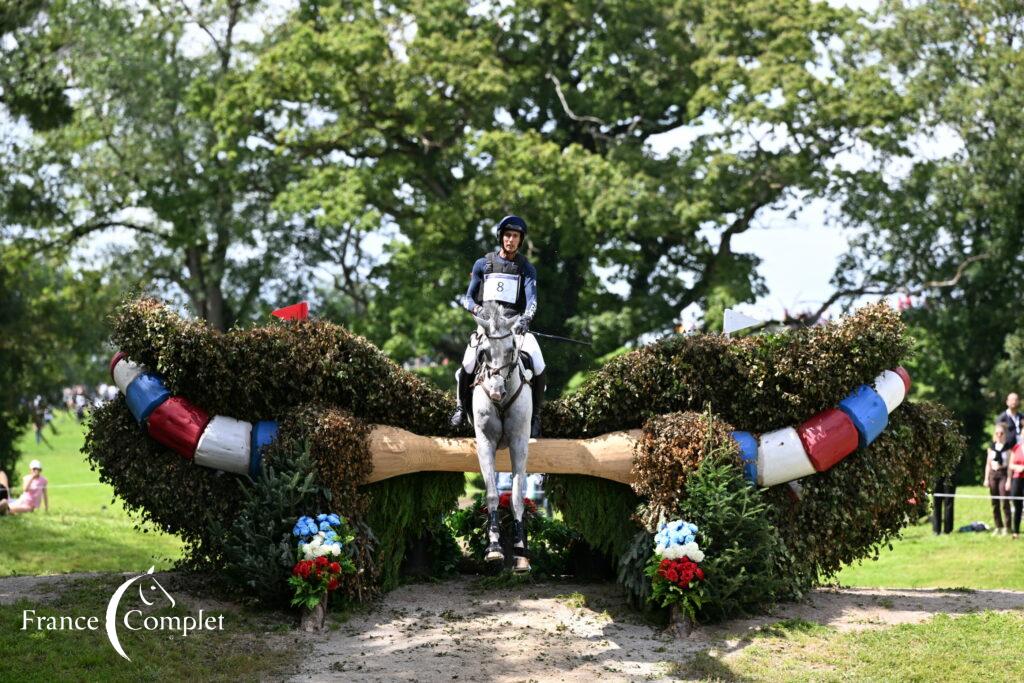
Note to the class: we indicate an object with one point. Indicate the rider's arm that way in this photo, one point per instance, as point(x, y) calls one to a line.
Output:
point(476, 280)
point(530, 285)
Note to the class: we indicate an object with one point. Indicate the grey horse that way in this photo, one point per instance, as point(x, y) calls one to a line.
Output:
point(502, 406)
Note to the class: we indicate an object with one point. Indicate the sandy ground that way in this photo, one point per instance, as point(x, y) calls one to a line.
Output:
point(566, 632)
point(457, 630)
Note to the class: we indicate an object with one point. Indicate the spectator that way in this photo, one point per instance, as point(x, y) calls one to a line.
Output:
point(996, 478)
point(1016, 469)
point(1011, 419)
point(39, 421)
point(942, 513)
point(33, 489)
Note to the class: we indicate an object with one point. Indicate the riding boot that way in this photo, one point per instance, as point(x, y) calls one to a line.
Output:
point(538, 401)
point(460, 389)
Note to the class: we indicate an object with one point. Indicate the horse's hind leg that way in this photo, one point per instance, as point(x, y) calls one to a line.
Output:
point(518, 453)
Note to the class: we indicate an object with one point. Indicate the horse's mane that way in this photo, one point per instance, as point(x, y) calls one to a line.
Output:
point(494, 311)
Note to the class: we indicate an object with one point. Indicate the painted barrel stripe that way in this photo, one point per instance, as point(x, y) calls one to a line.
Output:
point(828, 437)
point(124, 373)
point(748, 454)
point(781, 457)
point(224, 445)
point(263, 433)
point(145, 394)
point(866, 410)
point(178, 424)
point(902, 372)
point(890, 387)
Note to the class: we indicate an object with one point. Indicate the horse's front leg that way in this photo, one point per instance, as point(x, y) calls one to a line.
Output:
point(485, 448)
point(518, 452)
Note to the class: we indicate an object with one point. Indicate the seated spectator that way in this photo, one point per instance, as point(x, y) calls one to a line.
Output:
point(33, 490)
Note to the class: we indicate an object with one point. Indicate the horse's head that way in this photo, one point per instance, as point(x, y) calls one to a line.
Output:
point(499, 349)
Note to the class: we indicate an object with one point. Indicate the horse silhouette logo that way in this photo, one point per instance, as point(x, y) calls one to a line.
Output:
point(115, 600)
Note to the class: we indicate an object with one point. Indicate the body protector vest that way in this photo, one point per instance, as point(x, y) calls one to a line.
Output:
point(504, 283)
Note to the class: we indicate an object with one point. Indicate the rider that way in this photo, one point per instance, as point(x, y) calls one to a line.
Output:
point(503, 275)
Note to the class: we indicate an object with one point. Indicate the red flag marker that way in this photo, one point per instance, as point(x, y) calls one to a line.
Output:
point(299, 311)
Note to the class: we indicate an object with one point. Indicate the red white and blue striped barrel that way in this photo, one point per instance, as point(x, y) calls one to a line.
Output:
point(828, 437)
point(145, 393)
point(263, 432)
point(867, 411)
point(178, 424)
point(224, 445)
point(781, 458)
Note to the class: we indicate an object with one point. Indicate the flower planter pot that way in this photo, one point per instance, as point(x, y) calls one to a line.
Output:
point(313, 619)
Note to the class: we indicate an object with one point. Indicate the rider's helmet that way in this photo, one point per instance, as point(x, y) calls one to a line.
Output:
point(511, 222)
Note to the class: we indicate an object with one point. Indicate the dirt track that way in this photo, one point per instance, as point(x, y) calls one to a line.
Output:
point(564, 632)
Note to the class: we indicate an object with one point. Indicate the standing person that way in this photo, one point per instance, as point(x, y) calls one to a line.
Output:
point(33, 489)
point(1011, 419)
point(997, 480)
point(942, 512)
point(39, 421)
point(1016, 470)
point(507, 277)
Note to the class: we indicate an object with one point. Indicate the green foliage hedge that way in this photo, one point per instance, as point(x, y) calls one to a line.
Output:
point(755, 383)
point(327, 386)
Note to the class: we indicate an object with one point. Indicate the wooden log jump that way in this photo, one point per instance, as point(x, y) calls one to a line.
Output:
point(397, 451)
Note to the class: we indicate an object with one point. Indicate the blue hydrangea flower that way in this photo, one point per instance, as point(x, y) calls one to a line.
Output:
point(325, 526)
point(333, 519)
point(321, 517)
point(331, 536)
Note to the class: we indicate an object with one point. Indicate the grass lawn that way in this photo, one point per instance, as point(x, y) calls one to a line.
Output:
point(974, 647)
point(85, 529)
point(957, 560)
point(252, 645)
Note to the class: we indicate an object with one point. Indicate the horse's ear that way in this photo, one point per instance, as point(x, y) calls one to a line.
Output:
point(481, 321)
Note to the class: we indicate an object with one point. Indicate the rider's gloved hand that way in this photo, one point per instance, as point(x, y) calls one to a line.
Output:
point(522, 325)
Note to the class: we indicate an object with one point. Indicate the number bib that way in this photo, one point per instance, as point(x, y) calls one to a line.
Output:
point(501, 287)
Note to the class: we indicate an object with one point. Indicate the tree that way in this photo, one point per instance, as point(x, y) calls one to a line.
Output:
point(51, 335)
point(948, 229)
point(138, 156)
point(427, 120)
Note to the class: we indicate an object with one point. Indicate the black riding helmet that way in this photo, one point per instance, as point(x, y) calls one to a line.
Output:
point(511, 222)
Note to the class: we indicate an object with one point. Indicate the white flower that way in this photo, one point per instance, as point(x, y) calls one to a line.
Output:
point(673, 552)
point(335, 550)
point(691, 551)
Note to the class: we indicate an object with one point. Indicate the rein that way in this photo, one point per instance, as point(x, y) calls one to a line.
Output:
point(490, 371)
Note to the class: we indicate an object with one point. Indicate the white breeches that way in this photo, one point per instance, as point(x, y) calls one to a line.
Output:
point(529, 346)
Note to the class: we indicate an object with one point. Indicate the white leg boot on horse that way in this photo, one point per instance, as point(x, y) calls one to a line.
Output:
point(518, 451)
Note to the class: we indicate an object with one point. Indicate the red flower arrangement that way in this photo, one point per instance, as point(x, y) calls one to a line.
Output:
point(312, 577)
point(682, 572)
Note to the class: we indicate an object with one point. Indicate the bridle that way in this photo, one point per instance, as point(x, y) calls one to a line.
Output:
point(489, 370)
